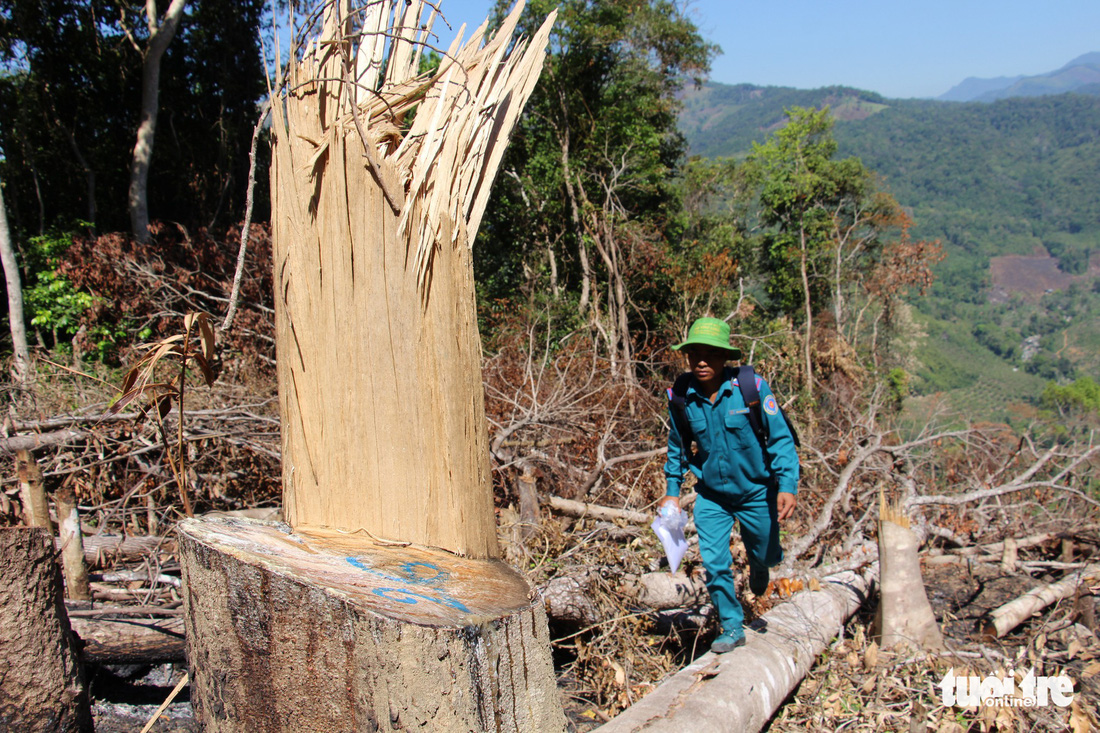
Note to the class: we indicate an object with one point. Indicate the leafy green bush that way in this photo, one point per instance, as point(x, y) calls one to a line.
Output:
point(58, 307)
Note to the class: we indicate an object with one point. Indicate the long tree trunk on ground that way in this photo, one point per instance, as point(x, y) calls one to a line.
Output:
point(740, 691)
point(14, 284)
point(161, 33)
point(382, 605)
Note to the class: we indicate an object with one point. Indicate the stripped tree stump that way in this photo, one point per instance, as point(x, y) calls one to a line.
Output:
point(332, 632)
point(41, 682)
point(379, 178)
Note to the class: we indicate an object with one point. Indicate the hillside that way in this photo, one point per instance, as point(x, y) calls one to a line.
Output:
point(1008, 187)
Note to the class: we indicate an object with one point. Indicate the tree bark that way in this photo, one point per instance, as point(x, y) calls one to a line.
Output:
point(742, 689)
point(17, 324)
point(290, 631)
point(161, 33)
point(42, 685)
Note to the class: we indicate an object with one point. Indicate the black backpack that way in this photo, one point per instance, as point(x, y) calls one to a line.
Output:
point(746, 382)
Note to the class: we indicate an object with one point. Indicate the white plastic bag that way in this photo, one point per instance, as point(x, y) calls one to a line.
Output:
point(669, 526)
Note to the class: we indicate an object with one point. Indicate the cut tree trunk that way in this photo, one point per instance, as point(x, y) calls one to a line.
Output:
point(131, 640)
point(379, 359)
point(741, 690)
point(72, 546)
point(32, 492)
point(1005, 618)
point(379, 179)
point(330, 632)
point(904, 616)
point(41, 684)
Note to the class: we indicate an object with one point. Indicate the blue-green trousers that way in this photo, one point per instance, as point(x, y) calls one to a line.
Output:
point(715, 512)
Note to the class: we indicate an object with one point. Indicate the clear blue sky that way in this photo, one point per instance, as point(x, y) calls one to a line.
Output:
point(898, 48)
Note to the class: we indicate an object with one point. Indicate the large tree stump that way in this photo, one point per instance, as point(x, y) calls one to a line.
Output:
point(41, 684)
point(310, 632)
point(379, 178)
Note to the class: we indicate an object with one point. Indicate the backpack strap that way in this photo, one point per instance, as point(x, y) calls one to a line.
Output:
point(677, 399)
point(746, 382)
point(750, 392)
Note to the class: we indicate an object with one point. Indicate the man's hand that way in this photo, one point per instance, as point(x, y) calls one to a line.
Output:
point(784, 504)
point(673, 500)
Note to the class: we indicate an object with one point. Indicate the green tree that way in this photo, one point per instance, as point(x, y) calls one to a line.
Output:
point(711, 252)
point(830, 237)
point(805, 196)
point(580, 215)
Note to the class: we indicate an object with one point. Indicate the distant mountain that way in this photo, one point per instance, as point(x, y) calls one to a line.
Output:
point(973, 88)
point(1082, 75)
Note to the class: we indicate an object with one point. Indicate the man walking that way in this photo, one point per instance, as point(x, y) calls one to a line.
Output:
point(741, 476)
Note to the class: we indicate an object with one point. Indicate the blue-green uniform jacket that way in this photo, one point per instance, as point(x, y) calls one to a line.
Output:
point(729, 457)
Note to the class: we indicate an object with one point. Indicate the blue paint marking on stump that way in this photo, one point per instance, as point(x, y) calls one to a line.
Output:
point(424, 574)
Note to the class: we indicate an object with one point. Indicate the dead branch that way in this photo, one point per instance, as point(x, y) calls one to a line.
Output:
point(580, 509)
point(17, 443)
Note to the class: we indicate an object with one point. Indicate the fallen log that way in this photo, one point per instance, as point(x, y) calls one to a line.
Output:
point(997, 548)
point(741, 690)
point(584, 510)
point(567, 599)
point(101, 548)
point(1003, 619)
point(17, 443)
point(662, 591)
point(131, 640)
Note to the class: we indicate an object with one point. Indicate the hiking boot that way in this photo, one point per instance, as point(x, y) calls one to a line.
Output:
point(758, 580)
point(727, 642)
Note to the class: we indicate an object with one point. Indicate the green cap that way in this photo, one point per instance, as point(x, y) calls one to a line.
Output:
point(710, 332)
